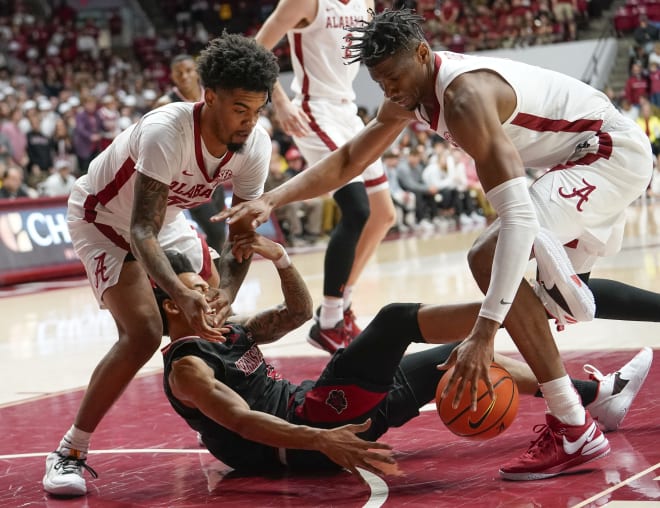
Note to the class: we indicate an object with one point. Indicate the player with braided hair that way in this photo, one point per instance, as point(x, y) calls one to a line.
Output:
point(508, 116)
point(128, 209)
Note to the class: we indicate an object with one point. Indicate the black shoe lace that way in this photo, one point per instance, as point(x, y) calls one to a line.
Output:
point(71, 465)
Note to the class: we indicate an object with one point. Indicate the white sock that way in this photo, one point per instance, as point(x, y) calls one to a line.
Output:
point(563, 401)
point(348, 293)
point(332, 312)
point(75, 442)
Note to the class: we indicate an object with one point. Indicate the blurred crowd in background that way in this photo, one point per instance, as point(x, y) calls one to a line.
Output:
point(69, 84)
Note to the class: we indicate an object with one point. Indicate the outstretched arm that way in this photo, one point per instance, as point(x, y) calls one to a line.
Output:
point(331, 172)
point(193, 383)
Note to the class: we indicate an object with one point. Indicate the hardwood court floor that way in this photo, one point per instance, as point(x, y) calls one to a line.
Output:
point(146, 456)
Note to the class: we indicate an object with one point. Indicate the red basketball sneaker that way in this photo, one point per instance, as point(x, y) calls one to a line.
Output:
point(350, 323)
point(330, 339)
point(558, 448)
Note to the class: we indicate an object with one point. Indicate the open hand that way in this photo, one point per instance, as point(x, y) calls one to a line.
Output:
point(256, 212)
point(345, 448)
point(471, 361)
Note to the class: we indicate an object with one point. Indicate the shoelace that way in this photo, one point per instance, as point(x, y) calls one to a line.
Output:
point(71, 465)
point(543, 442)
point(593, 372)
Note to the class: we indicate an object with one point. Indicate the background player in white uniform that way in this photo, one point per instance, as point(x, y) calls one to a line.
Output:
point(322, 117)
point(507, 116)
point(129, 208)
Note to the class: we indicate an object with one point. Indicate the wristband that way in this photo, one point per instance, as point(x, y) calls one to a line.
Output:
point(283, 261)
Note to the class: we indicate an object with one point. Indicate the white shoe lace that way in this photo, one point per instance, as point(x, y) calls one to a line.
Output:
point(593, 372)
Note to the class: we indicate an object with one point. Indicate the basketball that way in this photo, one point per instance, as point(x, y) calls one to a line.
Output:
point(491, 418)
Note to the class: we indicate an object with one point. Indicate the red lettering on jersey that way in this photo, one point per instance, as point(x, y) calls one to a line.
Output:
point(99, 272)
point(223, 175)
point(582, 193)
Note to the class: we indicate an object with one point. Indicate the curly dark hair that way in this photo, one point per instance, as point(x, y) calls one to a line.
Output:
point(234, 61)
point(180, 264)
point(385, 35)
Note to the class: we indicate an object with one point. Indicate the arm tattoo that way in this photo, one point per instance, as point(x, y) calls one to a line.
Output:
point(148, 215)
point(232, 273)
point(270, 325)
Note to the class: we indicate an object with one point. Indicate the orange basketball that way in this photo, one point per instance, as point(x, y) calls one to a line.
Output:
point(491, 418)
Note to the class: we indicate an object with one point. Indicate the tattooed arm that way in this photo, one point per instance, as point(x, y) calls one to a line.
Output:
point(272, 324)
point(147, 218)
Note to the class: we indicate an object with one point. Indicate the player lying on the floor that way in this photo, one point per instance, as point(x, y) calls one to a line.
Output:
point(253, 420)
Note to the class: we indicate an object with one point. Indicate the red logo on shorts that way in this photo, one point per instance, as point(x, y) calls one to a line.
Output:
point(337, 400)
point(99, 273)
point(582, 193)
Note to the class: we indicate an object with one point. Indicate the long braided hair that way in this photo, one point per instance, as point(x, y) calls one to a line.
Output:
point(386, 34)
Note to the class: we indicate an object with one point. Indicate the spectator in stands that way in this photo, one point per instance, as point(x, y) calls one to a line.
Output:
point(637, 85)
point(654, 56)
point(62, 143)
point(646, 34)
point(109, 115)
point(87, 133)
point(628, 109)
point(302, 220)
point(403, 200)
point(60, 182)
point(9, 127)
point(650, 123)
point(565, 12)
point(13, 186)
point(638, 55)
point(410, 177)
point(39, 152)
point(654, 83)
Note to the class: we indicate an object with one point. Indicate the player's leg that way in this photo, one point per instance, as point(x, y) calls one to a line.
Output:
point(527, 325)
point(134, 309)
point(329, 333)
point(382, 217)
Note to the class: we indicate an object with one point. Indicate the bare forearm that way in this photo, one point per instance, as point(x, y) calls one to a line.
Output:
point(232, 272)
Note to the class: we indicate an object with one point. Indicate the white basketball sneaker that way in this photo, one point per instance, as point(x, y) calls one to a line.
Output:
point(565, 297)
point(617, 390)
point(64, 475)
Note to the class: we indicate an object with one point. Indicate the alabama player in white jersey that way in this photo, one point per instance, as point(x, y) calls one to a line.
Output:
point(129, 208)
point(508, 116)
point(322, 117)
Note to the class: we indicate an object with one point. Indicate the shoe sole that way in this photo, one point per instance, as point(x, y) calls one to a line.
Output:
point(629, 393)
point(552, 258)
point(63, 490)
point(542, 476)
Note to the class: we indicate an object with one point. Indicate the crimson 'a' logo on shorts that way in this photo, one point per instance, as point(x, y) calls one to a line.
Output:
point(99, 272)
point(582, 193)
point(337, 400)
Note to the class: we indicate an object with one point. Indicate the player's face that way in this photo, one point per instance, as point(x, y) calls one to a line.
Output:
point(402, 78)
point(235, 114)
point(184, 75)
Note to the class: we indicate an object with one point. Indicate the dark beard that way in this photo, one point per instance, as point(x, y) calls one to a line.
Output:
point(235, 147)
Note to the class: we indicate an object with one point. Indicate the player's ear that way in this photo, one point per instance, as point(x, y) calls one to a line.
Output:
point(423, 52)
point(209, 96)
point(170, 307)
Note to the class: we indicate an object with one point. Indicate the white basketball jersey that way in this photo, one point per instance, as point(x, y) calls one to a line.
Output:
point(166, 145)
point(319, 67)
point(558, 121)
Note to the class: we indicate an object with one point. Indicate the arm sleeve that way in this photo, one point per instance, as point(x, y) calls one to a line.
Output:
point(518, 228)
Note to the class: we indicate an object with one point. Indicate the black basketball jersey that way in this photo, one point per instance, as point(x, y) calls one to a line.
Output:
point(239, 364)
